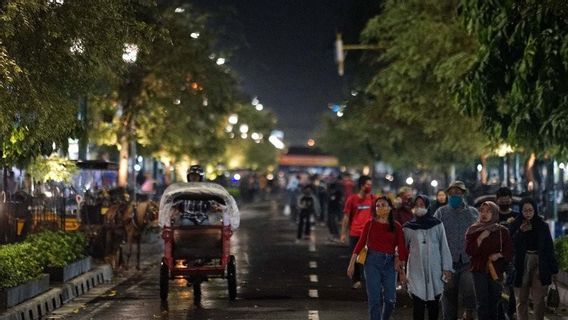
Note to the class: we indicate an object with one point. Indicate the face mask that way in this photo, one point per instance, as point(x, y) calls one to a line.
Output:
point(419, 212)
point(383, 212)
point(455, 201)
point(504, 207)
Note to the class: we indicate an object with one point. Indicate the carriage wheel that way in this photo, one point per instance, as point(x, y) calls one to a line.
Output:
point(164, 281)
point(197, 291)
point(232, 278)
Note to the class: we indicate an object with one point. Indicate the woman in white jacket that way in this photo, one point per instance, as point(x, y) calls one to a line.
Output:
point(429, 260)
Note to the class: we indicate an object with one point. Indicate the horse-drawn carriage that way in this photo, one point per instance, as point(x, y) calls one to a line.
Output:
point(197, 221)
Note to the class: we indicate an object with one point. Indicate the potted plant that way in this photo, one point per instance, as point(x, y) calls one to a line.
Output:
point(21, 275)
point(62, 254)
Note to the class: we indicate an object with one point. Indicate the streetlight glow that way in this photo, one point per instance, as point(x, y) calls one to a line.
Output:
point(195, 35)
point(244, 128)
point(220, 61)
point(277, 143)
point(255, 101)
point(409, 180)
point(259, 107)
point(130, 53)
point(179, 10)
point(77, 47)
point(434, 183)
point(233, 119)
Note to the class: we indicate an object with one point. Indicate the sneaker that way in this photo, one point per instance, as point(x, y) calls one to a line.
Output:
point(356, 285)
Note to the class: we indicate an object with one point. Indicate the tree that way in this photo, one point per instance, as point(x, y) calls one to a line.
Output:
point(253, 150)
point(174, 98)
point(50, 54)
point(518, 81)
point(408, 116)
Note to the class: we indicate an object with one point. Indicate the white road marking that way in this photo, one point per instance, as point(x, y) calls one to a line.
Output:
point(312, 247)
point(313, 315)
point(313, 265)
point(313, 278)
point(313, 293)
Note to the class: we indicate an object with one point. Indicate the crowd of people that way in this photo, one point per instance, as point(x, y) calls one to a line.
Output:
point(444, 251)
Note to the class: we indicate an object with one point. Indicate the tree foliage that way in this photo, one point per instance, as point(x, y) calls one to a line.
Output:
point(408, 116)
point(518, 81)
point(174, 98)
point(50, 54)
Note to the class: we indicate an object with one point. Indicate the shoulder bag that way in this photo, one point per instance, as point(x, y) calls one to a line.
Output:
point(362, 256)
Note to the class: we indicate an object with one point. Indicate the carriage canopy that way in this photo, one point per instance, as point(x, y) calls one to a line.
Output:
point(201, 191)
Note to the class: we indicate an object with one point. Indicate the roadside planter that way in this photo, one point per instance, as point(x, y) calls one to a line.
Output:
point(70, 271)
point(10, 297)
point(61, 254)
point(21, 275)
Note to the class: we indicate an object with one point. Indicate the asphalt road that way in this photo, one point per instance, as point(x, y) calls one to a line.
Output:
point(277, 279)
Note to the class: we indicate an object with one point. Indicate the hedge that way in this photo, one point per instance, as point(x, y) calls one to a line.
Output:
point(22, 262)
point(561, 250)
point(18, 264)
point(58, 248)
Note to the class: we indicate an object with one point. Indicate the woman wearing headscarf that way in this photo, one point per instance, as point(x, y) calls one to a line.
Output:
point(491, 249)
point(429, 260)
point(535, 263)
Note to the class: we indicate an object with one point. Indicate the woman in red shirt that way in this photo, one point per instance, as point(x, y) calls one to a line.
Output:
point(383, 237)
point(491, 249)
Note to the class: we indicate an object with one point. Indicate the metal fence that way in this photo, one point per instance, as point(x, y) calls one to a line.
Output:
point(22, 214)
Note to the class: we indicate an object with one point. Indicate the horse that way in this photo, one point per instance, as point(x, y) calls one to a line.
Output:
point(135, 220)
point(112, 234)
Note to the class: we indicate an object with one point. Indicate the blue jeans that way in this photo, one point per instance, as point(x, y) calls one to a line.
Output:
point(380, 278)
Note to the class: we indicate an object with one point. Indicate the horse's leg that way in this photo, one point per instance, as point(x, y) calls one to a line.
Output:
point(130, 241)
point(138, 240)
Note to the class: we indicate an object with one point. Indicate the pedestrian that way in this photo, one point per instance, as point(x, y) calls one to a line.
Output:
point(535, 263)
point(429, 259)
point(291, 190)
point(383, 237)
point(504, 199)
point(403, 211)
point(334, 205)
point(441, 200)
point(457, 217)
point(490, 247)
point(307, 206)
point(356, 213)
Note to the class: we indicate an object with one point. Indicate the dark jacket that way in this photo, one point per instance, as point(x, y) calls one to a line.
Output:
point(547, 264)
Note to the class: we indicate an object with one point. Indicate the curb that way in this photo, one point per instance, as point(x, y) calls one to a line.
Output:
point(45, 303)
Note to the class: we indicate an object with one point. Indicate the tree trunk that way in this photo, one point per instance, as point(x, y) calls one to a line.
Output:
point(483, 174)
point(123, 162)
point(529, 173)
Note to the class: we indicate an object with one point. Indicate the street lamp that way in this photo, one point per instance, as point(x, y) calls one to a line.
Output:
point(130, 53)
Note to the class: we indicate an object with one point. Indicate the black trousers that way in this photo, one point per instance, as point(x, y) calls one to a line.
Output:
point(419, 307)
point(304, 223)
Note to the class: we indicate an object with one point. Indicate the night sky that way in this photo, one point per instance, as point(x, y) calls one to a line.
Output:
point(283, 53)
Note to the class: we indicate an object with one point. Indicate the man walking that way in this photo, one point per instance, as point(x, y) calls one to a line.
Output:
point(356, 213)
point(457, 217)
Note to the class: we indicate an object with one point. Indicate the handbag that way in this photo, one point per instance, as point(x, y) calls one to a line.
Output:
point(553, 297)
point(490, 267)
point(362, 256)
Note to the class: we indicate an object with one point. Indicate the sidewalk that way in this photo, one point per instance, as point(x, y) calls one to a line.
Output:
point(84, 288)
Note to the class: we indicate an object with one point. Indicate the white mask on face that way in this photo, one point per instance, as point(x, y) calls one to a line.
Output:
point(419, 212)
